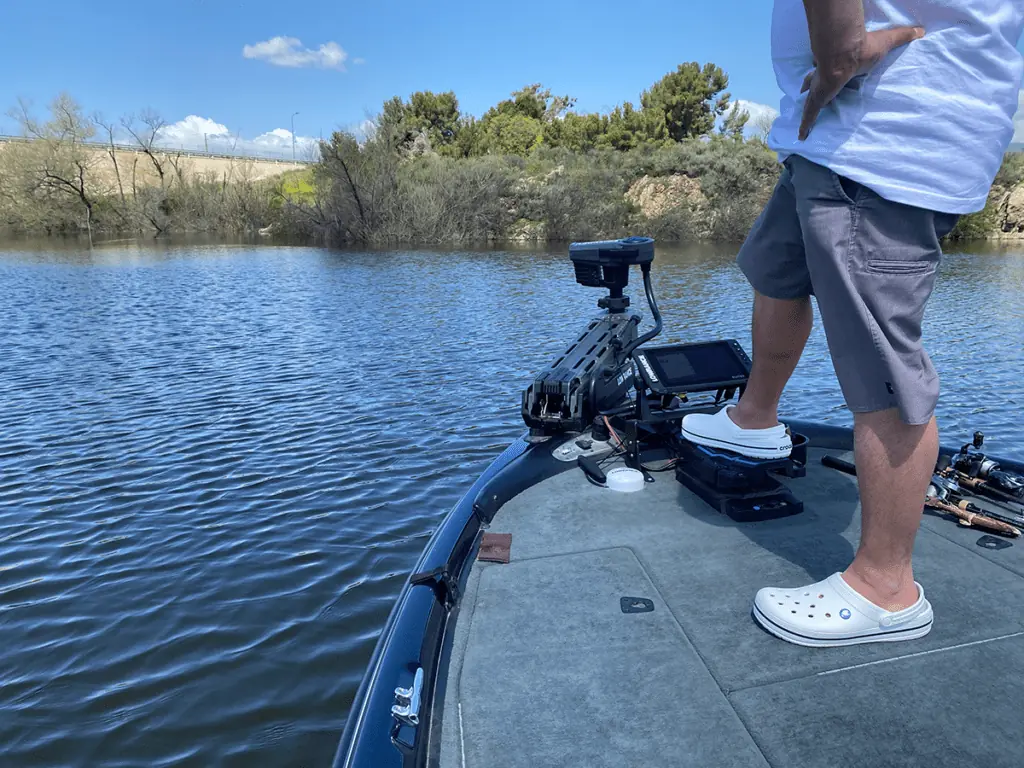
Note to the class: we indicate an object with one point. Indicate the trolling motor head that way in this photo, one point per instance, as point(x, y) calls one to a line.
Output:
point(606, 263)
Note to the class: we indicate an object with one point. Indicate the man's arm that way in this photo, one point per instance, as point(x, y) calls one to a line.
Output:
point(843, 49)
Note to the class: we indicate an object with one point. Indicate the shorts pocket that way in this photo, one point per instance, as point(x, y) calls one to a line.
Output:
point(890, 267)
point(847, 189)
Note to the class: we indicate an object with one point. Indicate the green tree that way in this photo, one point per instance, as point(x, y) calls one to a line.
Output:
point(471, 139)
point(518, 125)
point(686, 103)
point(627, 128)
point(513, 134)
point(533, 101)
point(433, 116)
point(735, 122)
point(577, 133)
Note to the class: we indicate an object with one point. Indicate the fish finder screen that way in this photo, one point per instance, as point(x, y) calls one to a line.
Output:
point(688, 367)
point(676, 365)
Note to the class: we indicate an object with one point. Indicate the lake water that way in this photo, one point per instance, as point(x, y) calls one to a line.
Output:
point(218, 464)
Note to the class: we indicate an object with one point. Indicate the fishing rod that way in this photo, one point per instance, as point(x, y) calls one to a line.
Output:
point(940, 496)
point(947, 491)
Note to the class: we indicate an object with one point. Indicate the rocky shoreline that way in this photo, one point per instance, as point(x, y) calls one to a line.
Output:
point(1006, 207)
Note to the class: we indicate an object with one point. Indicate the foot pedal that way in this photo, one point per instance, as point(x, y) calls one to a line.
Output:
point(746, 490)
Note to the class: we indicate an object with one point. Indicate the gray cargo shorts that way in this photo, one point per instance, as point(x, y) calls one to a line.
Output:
point(871, 263)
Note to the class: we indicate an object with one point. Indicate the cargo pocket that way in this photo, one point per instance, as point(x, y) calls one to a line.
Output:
point(895, 293)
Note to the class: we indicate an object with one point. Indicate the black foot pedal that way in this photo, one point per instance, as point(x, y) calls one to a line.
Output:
point(746, 490)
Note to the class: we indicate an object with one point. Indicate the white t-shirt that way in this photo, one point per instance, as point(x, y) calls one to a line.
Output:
point(929, 125)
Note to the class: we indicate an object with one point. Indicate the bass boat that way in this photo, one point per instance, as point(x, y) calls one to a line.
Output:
point(588, 602)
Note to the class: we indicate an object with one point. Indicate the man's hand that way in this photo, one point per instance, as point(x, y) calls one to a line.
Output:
point(843, 49)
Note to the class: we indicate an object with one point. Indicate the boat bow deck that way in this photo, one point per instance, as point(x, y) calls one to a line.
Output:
point(548, 670)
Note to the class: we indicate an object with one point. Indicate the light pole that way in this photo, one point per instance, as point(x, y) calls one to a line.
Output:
point(293, 136)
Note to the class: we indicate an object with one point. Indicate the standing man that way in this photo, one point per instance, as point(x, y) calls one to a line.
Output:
point(895, 118)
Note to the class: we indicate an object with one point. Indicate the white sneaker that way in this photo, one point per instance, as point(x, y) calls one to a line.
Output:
point(720, 431)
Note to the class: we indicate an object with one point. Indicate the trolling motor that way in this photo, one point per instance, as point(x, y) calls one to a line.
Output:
point(632, 399)
point(596, 372)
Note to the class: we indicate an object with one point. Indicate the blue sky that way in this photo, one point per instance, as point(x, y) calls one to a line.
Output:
point(335, 62)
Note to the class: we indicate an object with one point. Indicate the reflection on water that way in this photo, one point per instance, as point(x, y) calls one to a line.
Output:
point(219, 462)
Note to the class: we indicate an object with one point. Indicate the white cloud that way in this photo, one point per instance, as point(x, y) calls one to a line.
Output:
point(203, 134)
point(185, 132)
point(1018, 121)
point(288, 52)
point(364, 130)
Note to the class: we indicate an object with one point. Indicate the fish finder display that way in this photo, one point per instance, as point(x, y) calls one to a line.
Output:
point(694, 367)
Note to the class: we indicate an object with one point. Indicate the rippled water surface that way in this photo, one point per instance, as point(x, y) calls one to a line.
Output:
point(217, 464)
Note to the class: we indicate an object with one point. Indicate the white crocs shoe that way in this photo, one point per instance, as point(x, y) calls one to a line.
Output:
point(831, 613)
point(719, 431)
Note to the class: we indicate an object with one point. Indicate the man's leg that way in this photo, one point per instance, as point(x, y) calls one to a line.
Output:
point(774, 262)
point(895, 463)
point(873, 265)
point(781, 328)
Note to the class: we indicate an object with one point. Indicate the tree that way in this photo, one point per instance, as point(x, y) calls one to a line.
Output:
point(533, 102)
point(513, 134)
point(111, 149)
point(146, 137)
point(517, 125)
point(735, 122)
point(436, 114)
point(577, 133)
point(362, 184)
point(686, 103)
point(57, 162)
point(471, 139)
point(433, 117)
point(628, 128)
point(763, 126)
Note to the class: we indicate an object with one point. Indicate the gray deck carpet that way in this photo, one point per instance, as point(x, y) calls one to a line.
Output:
point(548, 670)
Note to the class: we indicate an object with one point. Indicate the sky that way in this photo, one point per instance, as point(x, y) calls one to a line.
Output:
point(237, 70)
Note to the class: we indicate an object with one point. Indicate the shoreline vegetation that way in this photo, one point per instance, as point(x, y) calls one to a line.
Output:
point(685, 164)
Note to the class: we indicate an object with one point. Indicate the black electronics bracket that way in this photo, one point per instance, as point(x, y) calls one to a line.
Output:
point(666, 376)
point(607, 381)
point(746, 490)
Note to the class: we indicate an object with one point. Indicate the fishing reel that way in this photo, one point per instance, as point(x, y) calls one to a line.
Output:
point(974, 464)
point(943, 488)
